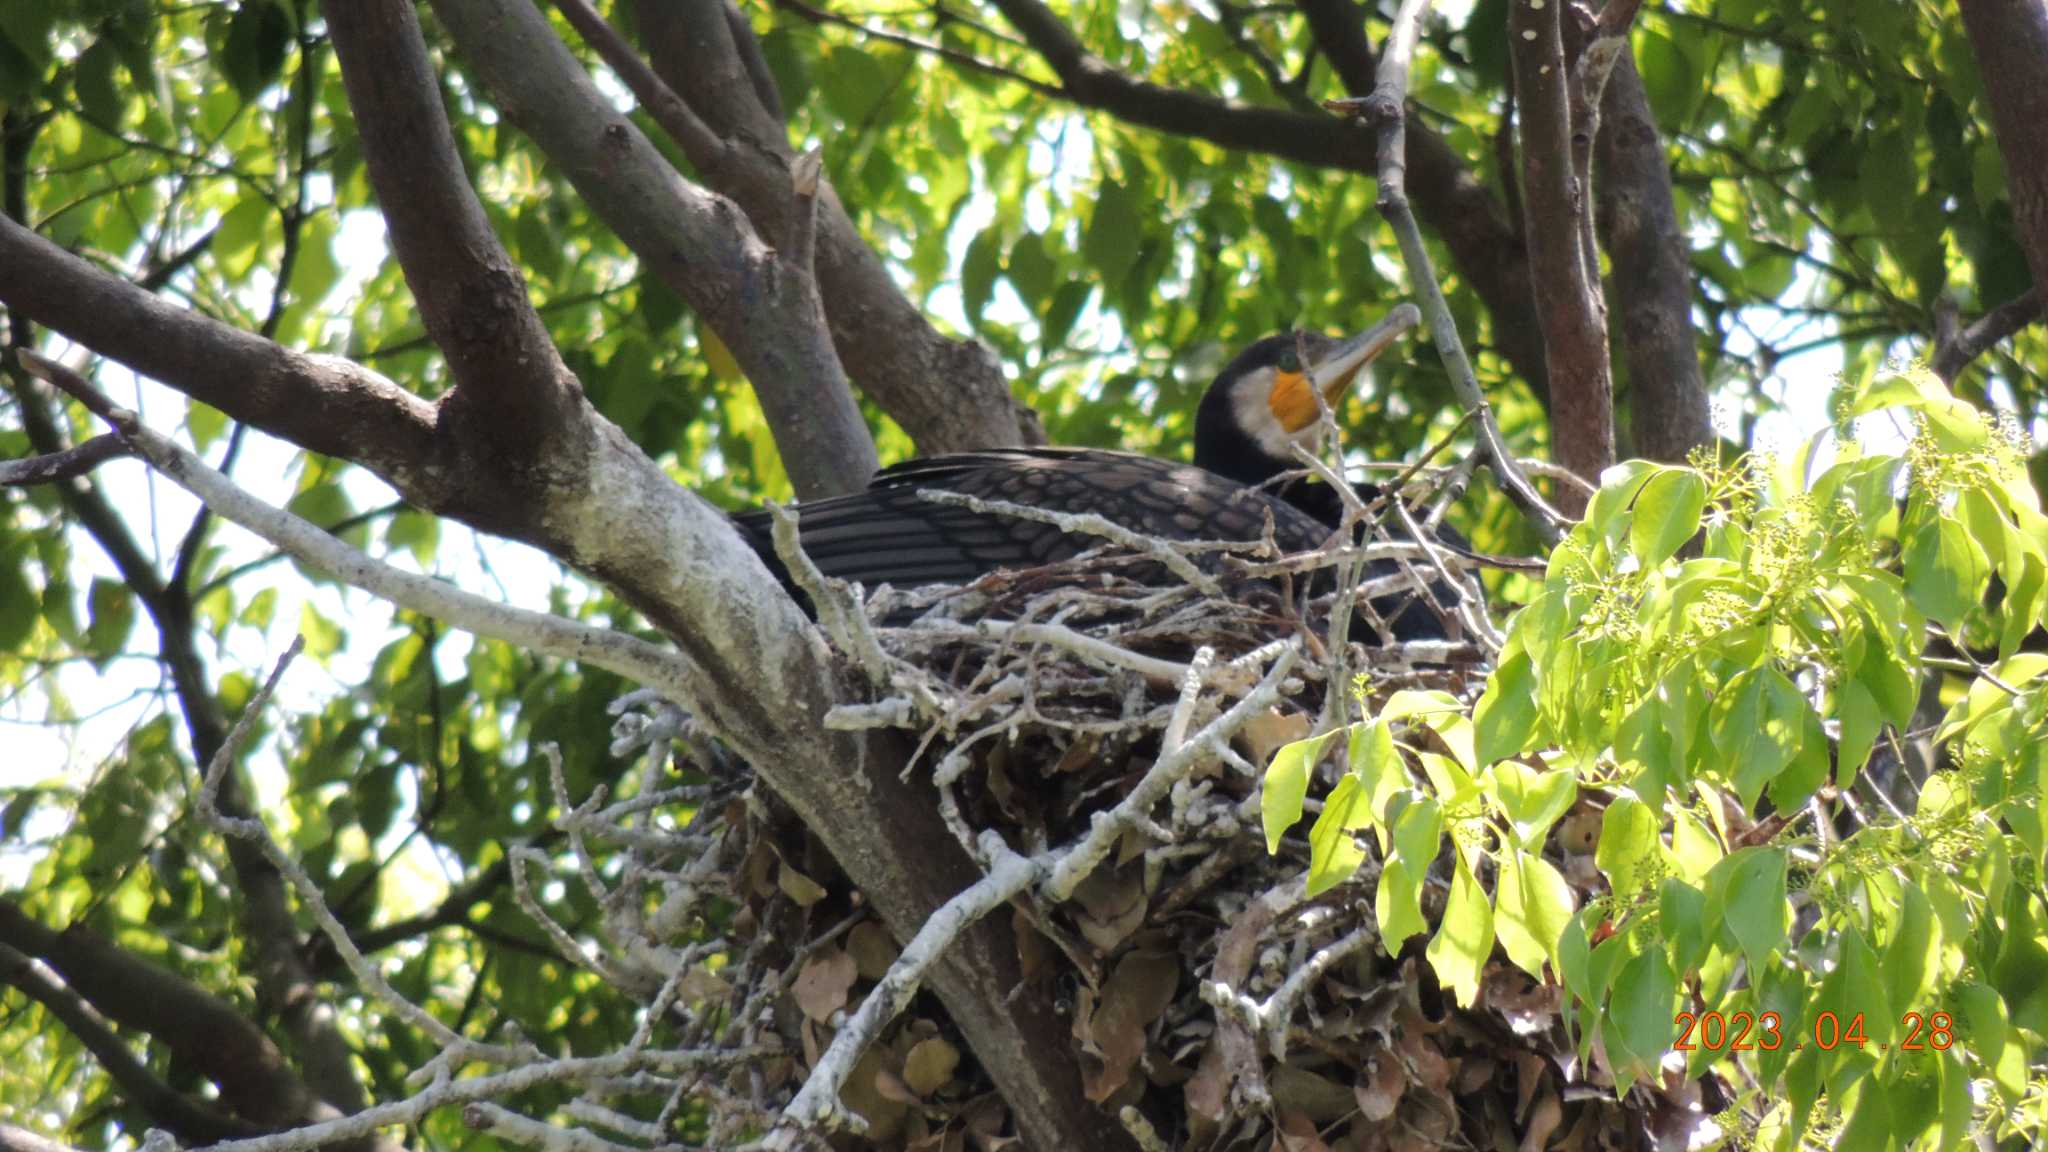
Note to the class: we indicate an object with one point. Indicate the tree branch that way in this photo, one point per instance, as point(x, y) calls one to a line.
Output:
point(320, 403)
point(66, 464)
point(191, 1119)
point(2010, 40)
point(699, 243)
point(1480, 234)
point(1953, 350)
point(510, 381)
point(949, 395)
point(209, 1035)
point(1652, 275)
point(1557, 211)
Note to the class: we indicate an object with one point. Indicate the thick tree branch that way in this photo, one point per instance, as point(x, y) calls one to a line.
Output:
point(320, 403)
point(949, 395)
point(1652, 277)
point(510, 380)
point(2010, 40)
point(214, 1038)
point(190, 1119)
point(1954, 349)
point(764, 308)
point(1556, 208)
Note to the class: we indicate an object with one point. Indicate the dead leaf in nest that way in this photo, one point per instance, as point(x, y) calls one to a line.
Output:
point(700, 984)
point(1427, 1068)
point(884, 1115)
point(1078, 754)
point(1112, 904)
point(891, 1087)
point(1543, 1120)
point(1033, 949)
point(821, 988)
point(1528, 1007)
point(1265, 733)
point(1379, 1093)
point(757, 871)
point(1474, 1072)
point(798, 887)
point(872, 949)
point(1132, 846)
point(1298, 1134)
point(1320, 1098)
point(986, 1116)
point(1529, 1068)
point(930, 1065)
point(812, 1047)
point(1207, 1093)
point(1020, 805)
point(1138, 990)
point(1579, 831)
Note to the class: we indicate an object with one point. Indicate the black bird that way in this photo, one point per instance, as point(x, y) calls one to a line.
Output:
point(1261, 405)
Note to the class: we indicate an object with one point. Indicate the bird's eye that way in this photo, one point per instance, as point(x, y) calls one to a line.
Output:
point(1289, 362)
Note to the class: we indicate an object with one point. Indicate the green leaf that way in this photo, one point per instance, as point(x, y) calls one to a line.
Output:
point(1857, 709)
point(1746, 894)
point(93, 79)
point(1397, 905)
point(1463, 939)
point(1378, 767)
point(1533, 799)
point(1333, 852)
point(1667, 514)
point(1031, 270)
point(1535, 905)
point(323, 636)
point(978, 271)
point(1945, 570)
point(259, 36)
point(1682, 921)
point(1758, 724)
point(1639, 1022)
point(1505, 719)
point(1286, 785)
point(1067, 302)
point(1114, 231)
point(239, 240)
point(1628, 841)
point(112, 604)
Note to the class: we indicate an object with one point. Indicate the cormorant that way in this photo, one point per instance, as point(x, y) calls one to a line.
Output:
point(1258, 408)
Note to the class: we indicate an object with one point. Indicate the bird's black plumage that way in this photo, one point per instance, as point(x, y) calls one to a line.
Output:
point(893, 532)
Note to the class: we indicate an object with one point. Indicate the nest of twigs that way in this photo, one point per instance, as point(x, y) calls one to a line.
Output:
point(1211, 1004)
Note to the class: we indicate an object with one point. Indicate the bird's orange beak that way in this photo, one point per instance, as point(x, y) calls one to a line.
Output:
point(1291, 400)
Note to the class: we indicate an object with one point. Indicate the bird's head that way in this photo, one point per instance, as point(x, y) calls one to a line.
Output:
point(1264, 402)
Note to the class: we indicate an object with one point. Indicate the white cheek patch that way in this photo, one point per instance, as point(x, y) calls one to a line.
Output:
point(1250, 404)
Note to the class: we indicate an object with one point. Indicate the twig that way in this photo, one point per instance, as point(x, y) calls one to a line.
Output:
point(539, 632)
point(65, 465)
point(1107, 828)
point(681, 124)
point(817, 1103)
point(1386, 109)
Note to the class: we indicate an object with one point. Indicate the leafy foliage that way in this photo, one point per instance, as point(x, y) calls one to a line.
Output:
point(1722, 671)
